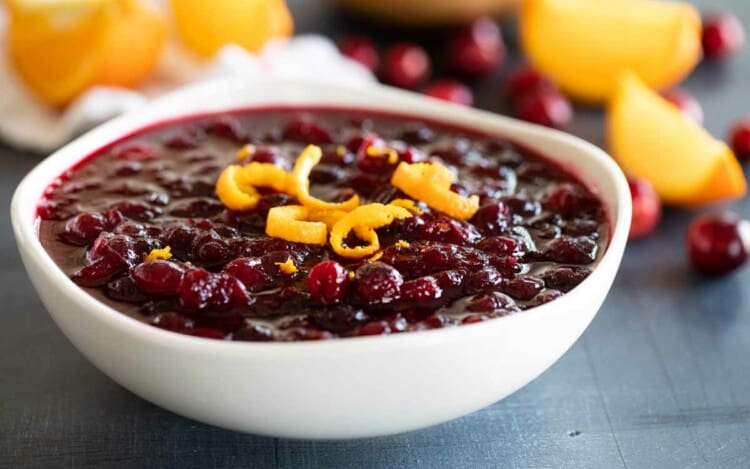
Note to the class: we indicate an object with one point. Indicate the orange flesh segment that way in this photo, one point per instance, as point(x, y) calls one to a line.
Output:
point(652, 139)
point(583, 45)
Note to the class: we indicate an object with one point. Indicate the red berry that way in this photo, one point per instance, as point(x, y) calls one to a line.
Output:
point(477, 49)
point(686, 103)
point(718, 243)
point(548, 108)
point(327, 282)
point(406, 65)
point(723, 35)
point(740, 139)
point(304, 130)
point(526, 80)
point(378, 283)
point(646, 208)
point(362, 50)
point(451, 91)
point(248, 271)
point(158, 277)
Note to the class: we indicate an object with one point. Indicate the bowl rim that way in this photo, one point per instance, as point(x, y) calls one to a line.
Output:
point(25, 224)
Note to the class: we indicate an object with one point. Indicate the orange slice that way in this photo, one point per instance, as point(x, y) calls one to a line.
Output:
point(584, 45)
point(652, 139)
point(207, 25)
point(60, 48)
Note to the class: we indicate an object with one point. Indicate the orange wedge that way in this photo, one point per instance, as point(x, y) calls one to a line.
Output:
point(584, 45)
point(60, 48)
point(207, 25)
point(652, 139)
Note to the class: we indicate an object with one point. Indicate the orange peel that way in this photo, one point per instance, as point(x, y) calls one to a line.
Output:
point(158, 254)
point(265, 175)
point(288, 222)
point(430, 183)
point(287, 267)
point(233, 193)
point(363, 220)
point(300, 183)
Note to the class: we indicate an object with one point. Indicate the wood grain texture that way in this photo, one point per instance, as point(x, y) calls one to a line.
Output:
point(660, 379)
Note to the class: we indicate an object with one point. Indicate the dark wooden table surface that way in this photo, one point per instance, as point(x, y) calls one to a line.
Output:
point(661, 379)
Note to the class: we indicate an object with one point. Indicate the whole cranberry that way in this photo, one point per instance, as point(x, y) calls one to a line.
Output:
point(305, 130)
point(740, 139)
point(491, 219)
point(477, 49)
point(646, 208)
point(248, 270)
point(548, 108)
point(362, 50)
point(84, 228)
point(405, 65)
point(378, 283)
point(723, 35)
point(524, 81)
point(158, 277)
point(451, 91)
point(327, 282)
point(685, 102)
point(718, 243)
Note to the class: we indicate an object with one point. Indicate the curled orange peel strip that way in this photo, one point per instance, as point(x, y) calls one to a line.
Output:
point(288, 222)
point(363, 220)
point(300, 183)
point(430, 183)
point(264, 175)
point(233, 192)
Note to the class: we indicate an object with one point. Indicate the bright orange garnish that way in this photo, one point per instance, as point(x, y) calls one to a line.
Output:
point(377, 152)
point(408, 204)
point(158, 254)
point(300, 183)
point(430, 183)
point(233, 193)
point(287, 267)
point(264, 175)
point(363, 220)
point(289, 222)
point(245, 151)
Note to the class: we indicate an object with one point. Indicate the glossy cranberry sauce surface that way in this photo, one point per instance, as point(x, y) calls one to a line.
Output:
point(537, 235)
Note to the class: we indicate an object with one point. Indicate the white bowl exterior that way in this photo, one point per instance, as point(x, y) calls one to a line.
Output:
point(336, 389)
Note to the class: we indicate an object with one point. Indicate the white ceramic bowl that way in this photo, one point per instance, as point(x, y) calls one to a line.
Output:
point(348, 388)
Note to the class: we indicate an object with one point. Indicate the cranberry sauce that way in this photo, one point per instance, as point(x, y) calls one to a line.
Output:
point(537, 235)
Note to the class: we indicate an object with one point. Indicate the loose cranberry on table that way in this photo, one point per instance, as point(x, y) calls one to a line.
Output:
point(685, 102)
point(718, 243)
point(477, 49)
point(723, 36)
point(451, 91)
point(526, 80)
point(362, 50)
point(740, 139)
point(646, 208)
point(547, 107)
point(405, 65)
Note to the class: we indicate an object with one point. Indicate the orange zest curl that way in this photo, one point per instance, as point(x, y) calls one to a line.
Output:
point(430, 183)
point(390, 152)
point(158, 254)
point(408, 204)
point(300, 183)
point(245, 151)
point(265, 175)
point(287, 267)
point(233, 192)
point(289, 223)
point(363, 220)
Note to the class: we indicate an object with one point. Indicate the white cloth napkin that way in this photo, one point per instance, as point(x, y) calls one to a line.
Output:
point(25, 122)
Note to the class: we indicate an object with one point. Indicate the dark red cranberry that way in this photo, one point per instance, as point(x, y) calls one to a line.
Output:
point(99, 273)
point(378, 283)
point(685, 102)
point(572, 250)
point(420, 290)
point(304, 130)
point(474, 318)
point(449, 279)
point(524, 288)
point(436, 321)
point(498, 245)
point(388, 326)
point(339, 319)
point(173, 322)
point(486, 279)
point(137, 150)
point(451, 91)
point(740, 139)
point(228, 127)
point(571, 199)
point(441, 228)
point(565, 278)
point(124, 289)
point(128, 168)
point(416, 134)
point(491, 302)
point(270, 155)
point(477, 49)
point(545, 297)
point(184, 138)
point(248, 270)
point(723, 36)
point(201, 290)
point(121, 248)
point(158, 277)
point(372, 157)
point(491, 219)
point(207, 333)
point(525, 81)
point(327, 282)
point(548, 108)
point(405, 65)
point(362, 50)
point(718, 243)
point(646, 208)
point(412, 155)
point(137, 210)
point(84, 228)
